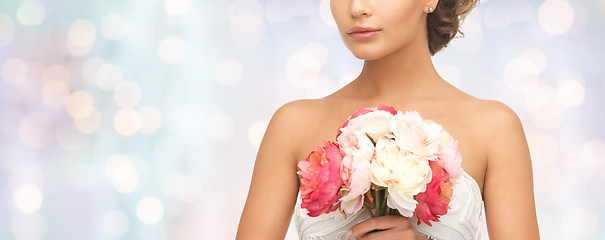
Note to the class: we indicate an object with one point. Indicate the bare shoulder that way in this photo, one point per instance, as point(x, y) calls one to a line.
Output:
point(495, 118)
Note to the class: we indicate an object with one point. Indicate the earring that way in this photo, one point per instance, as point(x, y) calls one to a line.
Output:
point(430, 10)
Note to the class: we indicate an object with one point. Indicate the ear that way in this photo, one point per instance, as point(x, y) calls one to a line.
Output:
point(430, 5)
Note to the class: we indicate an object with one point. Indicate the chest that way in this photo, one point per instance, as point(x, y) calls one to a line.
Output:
point(459, 123)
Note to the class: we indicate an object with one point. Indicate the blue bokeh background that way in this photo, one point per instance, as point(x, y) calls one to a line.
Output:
point(141, 119)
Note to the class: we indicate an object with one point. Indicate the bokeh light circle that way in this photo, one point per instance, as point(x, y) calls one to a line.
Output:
point(556, 16)
point(171, 50)
point(31, 12)
point(55, 93)
point(127, 122)
point(79, 104)
point(28, 198)
point(150, 210)
point(82, 33)
point(571, 93)
point(122, 173)
point(108, 76)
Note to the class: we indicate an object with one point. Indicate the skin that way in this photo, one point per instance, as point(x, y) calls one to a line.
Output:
point(397, 71)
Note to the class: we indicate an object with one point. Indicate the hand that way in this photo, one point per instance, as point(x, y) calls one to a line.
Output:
point(385, 227)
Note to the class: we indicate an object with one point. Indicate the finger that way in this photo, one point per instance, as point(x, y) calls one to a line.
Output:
point(378, 223)
point(393, 233)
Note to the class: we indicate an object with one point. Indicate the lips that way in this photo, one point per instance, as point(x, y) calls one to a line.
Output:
point(363, 32)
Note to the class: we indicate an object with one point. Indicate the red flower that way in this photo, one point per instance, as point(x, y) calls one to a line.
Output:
point(434, 202)
point(321, 182)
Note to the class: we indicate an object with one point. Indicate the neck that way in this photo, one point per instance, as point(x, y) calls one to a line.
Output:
point(406, 72)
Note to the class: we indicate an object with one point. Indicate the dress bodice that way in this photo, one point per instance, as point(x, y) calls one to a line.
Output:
point(462, 221)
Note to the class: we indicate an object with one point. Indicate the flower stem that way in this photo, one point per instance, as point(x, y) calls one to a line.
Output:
point(369, 210)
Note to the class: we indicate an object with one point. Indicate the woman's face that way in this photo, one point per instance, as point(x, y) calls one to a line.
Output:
point(372, 29)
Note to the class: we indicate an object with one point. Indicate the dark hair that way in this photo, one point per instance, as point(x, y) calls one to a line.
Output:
point(444, 22)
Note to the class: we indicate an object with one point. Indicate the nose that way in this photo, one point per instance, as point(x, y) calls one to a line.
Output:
point(360, 8)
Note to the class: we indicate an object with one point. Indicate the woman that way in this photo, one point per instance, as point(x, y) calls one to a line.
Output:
point(396, 40)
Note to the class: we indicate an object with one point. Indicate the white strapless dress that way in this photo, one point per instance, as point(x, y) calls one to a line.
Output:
point(462, 221)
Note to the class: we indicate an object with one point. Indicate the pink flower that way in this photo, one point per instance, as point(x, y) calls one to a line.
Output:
point(381, 107)
point(321, 182)
point(434, 202)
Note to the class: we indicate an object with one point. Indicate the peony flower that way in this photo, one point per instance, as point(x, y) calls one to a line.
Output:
point(321, 182)
point(402, 172)
point(355, 138)
point(416, 134)
point(434, 202)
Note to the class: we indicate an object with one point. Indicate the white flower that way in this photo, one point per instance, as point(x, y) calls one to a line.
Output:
point(403, 172)
point(415, 134)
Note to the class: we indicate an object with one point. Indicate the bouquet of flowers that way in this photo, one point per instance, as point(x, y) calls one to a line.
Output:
point(385, 161)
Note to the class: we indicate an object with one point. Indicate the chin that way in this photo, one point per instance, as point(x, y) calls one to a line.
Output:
point(367, 54)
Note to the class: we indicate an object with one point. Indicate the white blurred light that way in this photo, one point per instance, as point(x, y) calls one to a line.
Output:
point(7, 29)
point(108, 76)
point(77, 50)
point(521, 75)
point(79, 104)
point(122, 173)
point(579, 222)
point(31, 226)
point(278, 11)
point(90, 123)
point(114, 26)
point(451, 74)
point(256, 132)
point(151, 120)
point(544, 149)
point(115, 223)
point(229, 72)
point(127, 122)
point(177, 7)
point(247, 28)
point(150, 210)
point(28, 198)
point(14, 72)
point(220, 127)
point(36, 130)
point(55, 93)
point(326, 14)
point(556, 16)
point(171, 50)
point(127, 94)
point(55, 73)
point(82, 33)
point(31, 12)
point(90, 68)
point(571, 93)
point(536, 56)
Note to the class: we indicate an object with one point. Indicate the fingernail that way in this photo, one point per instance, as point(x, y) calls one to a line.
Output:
point(349, 234)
